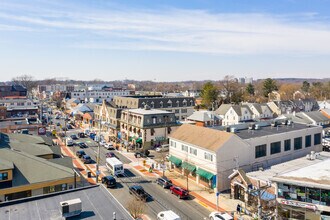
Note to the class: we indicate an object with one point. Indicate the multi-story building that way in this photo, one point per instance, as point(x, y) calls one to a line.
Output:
point(260, 111)
point(97, 96)
point(182, 107)
point(290, 106)
point(19, 107)
point(12, 91)
point(205, 118)
point(301, 186)
point(147, 127)
point(234, 114)
point(192, 93)
point(209, 155)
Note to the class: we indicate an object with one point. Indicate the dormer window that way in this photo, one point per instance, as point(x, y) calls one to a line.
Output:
point(169, 104)
point(177, 103)
point(161, 104)
point(152, 105)
point(184, 102)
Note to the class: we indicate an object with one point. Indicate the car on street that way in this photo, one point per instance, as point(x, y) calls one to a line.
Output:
point(86, 159)
point(168, 215)
point(109, 146)
point(81, 135)
point(110, 154)
point(82, 145)
point(57, 117)
point(139, 192)
point(69, 126)
point(164, 182)
point(74, 137)
point(162, 148)
point(58, 124)
point(109, 181)
point(92, 135)
point(139, 154)
point(65, 129)
point(220, 216)
point(181, 193)
point(80, 153)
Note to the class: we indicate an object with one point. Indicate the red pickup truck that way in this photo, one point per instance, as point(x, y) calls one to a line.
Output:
point(181, 193)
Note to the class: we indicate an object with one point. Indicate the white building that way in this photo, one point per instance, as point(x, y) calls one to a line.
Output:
point(260, 111)
point(234, 114)
point(210, 155)
point(324, 104)
point(192, 93)
point(302, 186)
point(97, 96)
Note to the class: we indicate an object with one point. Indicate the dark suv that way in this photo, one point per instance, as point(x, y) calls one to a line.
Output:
point(109, 181)
point(164, 182)
point(80, 153)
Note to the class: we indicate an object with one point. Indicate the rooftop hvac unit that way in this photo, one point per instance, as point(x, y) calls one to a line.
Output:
point(233, 130)
point(71, 207)
point(257, 127)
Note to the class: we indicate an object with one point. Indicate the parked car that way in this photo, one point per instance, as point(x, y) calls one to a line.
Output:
point(110, 154)
point(58, 124)
point(86, 159)
point(57, 117)
point(220, 216)
point(163, 148)
point(74, 137)
point(81, 135)
point(65, 129)
point(109, 181)
point(69, 126)
point(164, 182)
point(181, 193)
point(139, 192)
point(80, 153)
point(168, 215)
point(82, 145)
point(92, 135)
point(109, 146)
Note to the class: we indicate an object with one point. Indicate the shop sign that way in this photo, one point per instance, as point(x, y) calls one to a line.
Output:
point(299, 204)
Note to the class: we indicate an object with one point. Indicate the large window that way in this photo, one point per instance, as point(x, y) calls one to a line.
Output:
point(261, 150)
point(173, 144)
point(275, 147)
point(3, 176)
point(287, 145)
point(208, 156)
point(317, 138)
point(184, 148)
point(308, 141)
point(298, 143)
point(193, 151)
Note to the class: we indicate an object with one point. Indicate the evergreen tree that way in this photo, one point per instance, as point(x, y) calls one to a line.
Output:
point(269, 85)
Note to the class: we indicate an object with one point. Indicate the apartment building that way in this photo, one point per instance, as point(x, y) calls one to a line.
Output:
point(211, 154)
point(147, 127)
point(18, 107)
point(12, 91)
point(182, 107)
point(97, 96)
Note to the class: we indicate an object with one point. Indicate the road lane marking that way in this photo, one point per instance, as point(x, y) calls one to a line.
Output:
point(203, 204)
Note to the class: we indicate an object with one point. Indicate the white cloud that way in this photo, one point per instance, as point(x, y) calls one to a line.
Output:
point(177, 30)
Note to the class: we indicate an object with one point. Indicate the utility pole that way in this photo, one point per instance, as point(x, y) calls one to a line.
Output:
point(98, 153)
point(127, 130)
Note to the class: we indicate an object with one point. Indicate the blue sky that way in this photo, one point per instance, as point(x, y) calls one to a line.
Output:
point(164, 40)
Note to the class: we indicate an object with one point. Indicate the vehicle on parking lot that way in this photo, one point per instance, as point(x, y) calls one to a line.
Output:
point(181, 193)
point(139, 192)
point(74, 137)
point(69, 141)
point(110, 154)
point(163, 148)
point(168, 215)
point(109, 181)
point(92, 135)
point(69, 126)
point(82, 145)
point(80, 153)
point(220, 216)
point(109, 146)
point(58, 124)
point(86, 159)
point(114, 166)
point(164, 182)
point(81, 135)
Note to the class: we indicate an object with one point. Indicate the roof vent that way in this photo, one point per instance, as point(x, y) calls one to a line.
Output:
point(257, 127)
point(147, 107)
point(308, 157)
point(233, 130)
point(313, 156)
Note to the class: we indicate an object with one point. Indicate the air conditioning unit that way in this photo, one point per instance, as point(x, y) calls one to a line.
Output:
point(71, 208)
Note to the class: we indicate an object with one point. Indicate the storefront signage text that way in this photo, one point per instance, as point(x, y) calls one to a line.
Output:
point(299, 204)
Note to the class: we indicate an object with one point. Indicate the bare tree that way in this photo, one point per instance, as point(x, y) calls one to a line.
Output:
point(27, 81)
point(136, 208)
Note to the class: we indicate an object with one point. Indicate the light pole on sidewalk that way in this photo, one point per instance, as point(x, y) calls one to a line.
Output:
point(98, 153)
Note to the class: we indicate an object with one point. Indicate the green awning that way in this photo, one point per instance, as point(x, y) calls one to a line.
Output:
point(175, 160)
point(139, 140)
point(188, 166)
point(204, 173)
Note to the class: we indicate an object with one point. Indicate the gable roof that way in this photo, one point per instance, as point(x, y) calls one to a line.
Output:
point(207, 138)
point(317, 116)
point(203, 116)
point(31, 169)
point(242, 174)
point(223, 109)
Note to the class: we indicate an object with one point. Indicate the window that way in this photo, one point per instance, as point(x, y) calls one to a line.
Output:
point(287, 145)
point(308, 141)
point(317, 138)
point(177, 111)
point(184, 103)
point(169, 104)
point(183, 110)
point(173, 144)
point(261, 150)
point(275, 147)
point(154, 120)
point(3, 176)
point(298, 143)
point(208, 156)
point(193, 151)
point(161, 104)
point(184, 148)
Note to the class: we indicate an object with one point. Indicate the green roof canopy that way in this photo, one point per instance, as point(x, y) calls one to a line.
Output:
point(188, 166)
point(205, 174)
point(175, 160)
point(139, 140)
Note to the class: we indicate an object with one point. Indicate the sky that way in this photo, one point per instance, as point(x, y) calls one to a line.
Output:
point(164, 40)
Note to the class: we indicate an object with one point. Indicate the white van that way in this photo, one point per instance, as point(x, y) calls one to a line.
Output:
point(163, 148)
point(168, 215)
point(114, 166)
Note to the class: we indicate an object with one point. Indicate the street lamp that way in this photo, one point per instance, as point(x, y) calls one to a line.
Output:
point(98, 152)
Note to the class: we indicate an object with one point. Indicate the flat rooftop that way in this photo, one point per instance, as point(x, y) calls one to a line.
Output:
point(300, 171)
point(245, 133)
point(97, 203)
point(147, 112)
